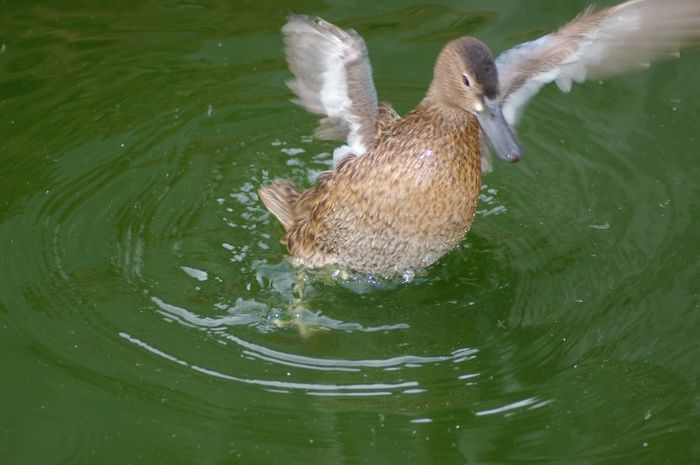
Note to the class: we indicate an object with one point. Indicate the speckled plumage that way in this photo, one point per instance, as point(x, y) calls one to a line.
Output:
point(408, 200)
point(401, 206)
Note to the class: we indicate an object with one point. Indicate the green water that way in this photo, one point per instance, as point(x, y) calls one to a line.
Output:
point(142, 281)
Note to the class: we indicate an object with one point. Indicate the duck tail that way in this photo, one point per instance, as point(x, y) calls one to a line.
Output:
point(280, 198)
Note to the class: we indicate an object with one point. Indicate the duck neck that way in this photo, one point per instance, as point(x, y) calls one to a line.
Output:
point(453, 118)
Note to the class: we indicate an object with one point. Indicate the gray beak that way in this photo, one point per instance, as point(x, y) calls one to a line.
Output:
point(499, 135)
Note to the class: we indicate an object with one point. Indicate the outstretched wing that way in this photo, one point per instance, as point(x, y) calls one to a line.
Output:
point(333, 77)
point(596, 45)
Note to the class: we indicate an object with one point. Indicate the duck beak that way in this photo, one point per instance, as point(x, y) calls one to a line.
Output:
point(498, 132)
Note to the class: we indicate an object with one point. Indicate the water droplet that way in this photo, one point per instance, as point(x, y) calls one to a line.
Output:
point(195, 273)
point(292, 151)
point(421, 420)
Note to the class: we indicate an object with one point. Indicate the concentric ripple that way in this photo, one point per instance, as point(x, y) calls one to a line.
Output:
point(264, 296)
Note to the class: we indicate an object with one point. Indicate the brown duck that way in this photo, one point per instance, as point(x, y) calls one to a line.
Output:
point(404, 191)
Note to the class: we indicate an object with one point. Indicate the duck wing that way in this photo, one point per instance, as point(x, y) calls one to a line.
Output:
point(333, 77)
point(596, 45)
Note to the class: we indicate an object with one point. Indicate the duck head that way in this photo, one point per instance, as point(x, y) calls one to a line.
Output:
point(465, 78)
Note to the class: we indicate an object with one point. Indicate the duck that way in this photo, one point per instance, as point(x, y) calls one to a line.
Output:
point(404, 191)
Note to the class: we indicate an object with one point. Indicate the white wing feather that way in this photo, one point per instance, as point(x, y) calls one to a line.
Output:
point(597, 45)
point(333, 77)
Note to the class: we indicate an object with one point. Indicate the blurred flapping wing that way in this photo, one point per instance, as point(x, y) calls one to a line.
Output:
point(596, 45)
point(333, 77)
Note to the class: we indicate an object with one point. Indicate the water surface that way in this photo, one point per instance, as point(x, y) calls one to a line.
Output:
point(148, 315)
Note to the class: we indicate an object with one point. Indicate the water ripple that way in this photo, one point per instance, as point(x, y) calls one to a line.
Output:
point(312, 388)
point(145, 290)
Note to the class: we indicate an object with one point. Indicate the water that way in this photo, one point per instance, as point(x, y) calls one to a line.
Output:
point(148, 316)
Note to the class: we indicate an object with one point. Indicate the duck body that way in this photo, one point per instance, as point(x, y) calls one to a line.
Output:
point(401, 206)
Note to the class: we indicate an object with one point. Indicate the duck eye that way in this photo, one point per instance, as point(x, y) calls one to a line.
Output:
point(465, 79)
